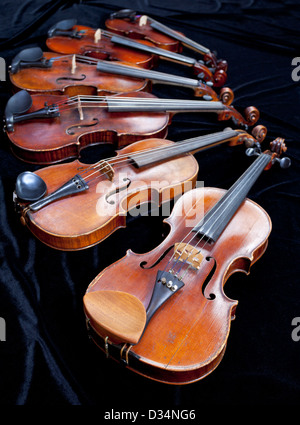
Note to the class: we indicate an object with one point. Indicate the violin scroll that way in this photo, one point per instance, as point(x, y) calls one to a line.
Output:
point(220, 78)
point(226, 96)
point(252, 114)
point(259, 132)
point(250, 140)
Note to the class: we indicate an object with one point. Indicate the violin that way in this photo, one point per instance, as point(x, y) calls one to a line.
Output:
point(68, 38)
point(73, 206)
point(46, 129)
point(37, 72)
point(164, 314)
point(127, 22)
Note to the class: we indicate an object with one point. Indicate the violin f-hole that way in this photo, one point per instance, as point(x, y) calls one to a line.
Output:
point(208, 278)
point(144, 263)
point(62, 79)
point(71, 130)
point(117, 190)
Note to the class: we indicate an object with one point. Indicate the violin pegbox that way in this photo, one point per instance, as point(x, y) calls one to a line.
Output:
point(278, 147)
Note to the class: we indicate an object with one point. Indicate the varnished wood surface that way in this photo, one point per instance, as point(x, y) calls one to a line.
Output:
point(186, 338)
point(76, 222)
point(59, 79)
point(52, 140)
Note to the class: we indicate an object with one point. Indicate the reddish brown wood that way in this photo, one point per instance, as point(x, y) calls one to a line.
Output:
point(85, 80)
point(45, 141)
point(104, 49)
point(133, 30)
point(85, 219)
point(186, 338)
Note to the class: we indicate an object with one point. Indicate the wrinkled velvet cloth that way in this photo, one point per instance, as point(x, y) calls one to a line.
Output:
point(47, 358)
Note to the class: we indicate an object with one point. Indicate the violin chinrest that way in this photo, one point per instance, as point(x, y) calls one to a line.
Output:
point(19, 103)
point(116, 314)
point(30, 186)
point(64, 25)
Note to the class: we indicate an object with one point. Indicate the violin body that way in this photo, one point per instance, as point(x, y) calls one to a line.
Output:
point(84, 79)
point(83, 220)
point(131, 29)
point(186, 337)
point(103, 49)
point(45, 141)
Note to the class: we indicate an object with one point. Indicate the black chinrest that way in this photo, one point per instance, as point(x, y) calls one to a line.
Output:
point(30, 187)
point(18, 103)
point(30, 55)
point(65, 25)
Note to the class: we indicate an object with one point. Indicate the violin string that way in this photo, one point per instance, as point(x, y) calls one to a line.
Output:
point(117, 97)
point(146, 153)
point(256, 165)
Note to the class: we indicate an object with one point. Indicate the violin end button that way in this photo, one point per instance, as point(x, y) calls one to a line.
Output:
point(23, 221)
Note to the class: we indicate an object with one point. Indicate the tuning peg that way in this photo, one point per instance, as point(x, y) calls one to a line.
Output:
point(284, 162)
point(251, 152)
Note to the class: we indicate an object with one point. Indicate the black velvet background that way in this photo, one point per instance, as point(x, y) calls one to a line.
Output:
point(47, 358)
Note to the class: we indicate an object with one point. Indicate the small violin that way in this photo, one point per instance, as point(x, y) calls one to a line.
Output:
point(46, 129)
point(127, 22)
point(73, 206)
point(68, 38)
point(164, 314)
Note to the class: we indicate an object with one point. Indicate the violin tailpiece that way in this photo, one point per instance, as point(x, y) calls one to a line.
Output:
point(166, 285)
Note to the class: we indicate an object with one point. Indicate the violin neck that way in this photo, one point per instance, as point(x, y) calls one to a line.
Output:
point(193, 145)
point(162, 105)
point(217, 218)
point(174, 34)
point(154, 76)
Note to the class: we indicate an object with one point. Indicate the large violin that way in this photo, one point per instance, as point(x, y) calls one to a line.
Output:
point(73, 206)
point(37, 71)
point(128, 22)
point(45, 128)
point(67, 37)
point(164, 314)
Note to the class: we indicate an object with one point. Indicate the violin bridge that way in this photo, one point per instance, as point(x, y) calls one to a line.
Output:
point(187, 253)
point(80, 109)
point(73, 64)
point(143, 20)
point(107, 169)
point(97, 35)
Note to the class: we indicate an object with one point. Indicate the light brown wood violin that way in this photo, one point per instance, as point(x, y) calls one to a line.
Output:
point(68, 38)
point(46, 129)
point(164, 314)
point(73, 206)
point(128, 22)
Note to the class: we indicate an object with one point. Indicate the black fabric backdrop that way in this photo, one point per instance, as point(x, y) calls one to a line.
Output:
point(47, 358)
